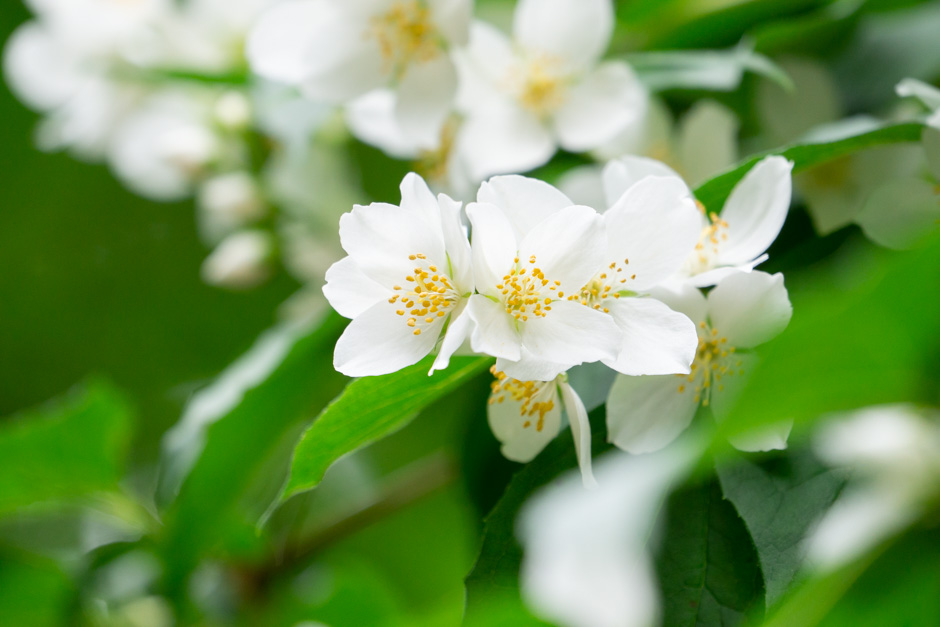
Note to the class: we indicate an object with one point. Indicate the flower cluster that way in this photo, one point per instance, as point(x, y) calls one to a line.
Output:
point(544, 285)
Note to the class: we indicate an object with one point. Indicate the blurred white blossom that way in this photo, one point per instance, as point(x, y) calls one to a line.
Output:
point(241, 261)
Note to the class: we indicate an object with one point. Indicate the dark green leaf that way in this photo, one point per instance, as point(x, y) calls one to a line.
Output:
point(369, 409)
point(707, 565)
point(779, 501)
point(33, 592)
point(715, 191)
point(67, 449)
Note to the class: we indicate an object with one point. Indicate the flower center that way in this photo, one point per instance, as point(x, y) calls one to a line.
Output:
point(712, 362)
point(405, 35)
point(526, 292)
point(427, 295)
point(706, 250)
point(611, 283)
point(434, 165)
point(531, 396)
point(540, 88)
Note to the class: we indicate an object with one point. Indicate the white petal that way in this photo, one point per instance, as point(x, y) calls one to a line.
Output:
point(525, 201)
point(717, 275)
point(38, 68)
point(755, 210)
point(750, 308)
point(456, 244)
point(901, 213)
point(381, 237)
point(585, 186)
point(493, 333)
point(568, 247)
point(655, 226)
point(761, 439)
point(371, 118)
point(708, 141)
point(656, 339)
point(379, 342)
point(503, 138)
point(417, 198)
point(489, 55)
point(598, 108)
point(575, 31)
point(651, 137)
point(531, 368)
point(519, 434)
point(581, 432)
point(278, 45)
point(571, 334)
point(685, 299)
point(460, 325)
point(452, 18)
point(350, 291)
point(928, 94)
point(644, 414)
point(621, 174)
point(425, 95)
point(493, 246)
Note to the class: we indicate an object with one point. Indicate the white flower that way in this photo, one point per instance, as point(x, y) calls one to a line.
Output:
point(894, 454)
point(735, 240)
point(525, 265)
point(928, 94)
point(229, 201)
point(405, 282)
point(586, 556)
point(337, 50)
point(543, 89)
point(745, 310)
point(241, 261)
point(526, 415)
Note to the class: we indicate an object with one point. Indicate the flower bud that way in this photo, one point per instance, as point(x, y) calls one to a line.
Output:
point(241, 261)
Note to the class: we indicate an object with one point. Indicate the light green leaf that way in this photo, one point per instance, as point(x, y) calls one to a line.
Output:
point(369, 409)
point(33, 592)
point(707, 564)
point(779, 501)
point(715, 191)
point(72, 447)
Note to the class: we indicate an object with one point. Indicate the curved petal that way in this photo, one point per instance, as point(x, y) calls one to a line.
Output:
point(656, 339)
point(351, 291)
point(520, 433)
point(750, 308)
point(493, 333)
point(644, 414)
point(379, 342)
point(371, 118)
point(755, 211)
point(685, 299)
point(531, 368)
point(456, 244)
point(717, 275)
point(417, 198)
point(707, 141)
point(493, 246)
point(277, 46)
point(38, 68)
point(598, 108)
point(568, 247)
point(425, 95)
point(489, 55)
point(581, 432)
point(575, 31)
point(928, 94)
point(503, 138)
point(571, 334)
point(452, 19)
point(585, 186)
point(621, 174)
point(456, 334)
point(525, 201)
point(654, 226)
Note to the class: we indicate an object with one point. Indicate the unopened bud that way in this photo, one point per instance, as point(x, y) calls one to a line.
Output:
point(241, 261)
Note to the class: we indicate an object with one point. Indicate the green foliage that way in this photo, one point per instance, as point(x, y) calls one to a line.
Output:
point(707, 565)
point(33, 592)
point(65, 450)
point(369, 409)
point(779, 501)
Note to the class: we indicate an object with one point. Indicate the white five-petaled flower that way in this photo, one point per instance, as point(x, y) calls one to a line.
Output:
point(526, 415)
point(338, 50)
point(927, 94)
point(734, 240)
point(745, 309)
point(532, 250)
point(405, 282)
point(524, 98)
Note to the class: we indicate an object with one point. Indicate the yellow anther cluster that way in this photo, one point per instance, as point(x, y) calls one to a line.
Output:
point(526, 292)
point(713, 361)
point(405, 34)
point(427, 296)
point(711, 236)
point(434, 165)
point(525, 393)
point(541, 89)
point(605, 284)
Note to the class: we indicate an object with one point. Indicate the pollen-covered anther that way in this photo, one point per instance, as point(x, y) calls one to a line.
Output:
point(522, 293)
point(710, 365)
point(534, 397)
point(430, 295)
point(604, 285)
point(405, 34)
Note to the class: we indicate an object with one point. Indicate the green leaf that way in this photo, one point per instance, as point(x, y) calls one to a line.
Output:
point(240, 442)
point(71, 447)
point(493, 584)
point(33, 592)
point(715, 191)
point(707, 565)
point(369, 409)
point(779, 501)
